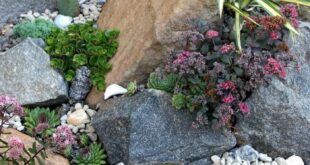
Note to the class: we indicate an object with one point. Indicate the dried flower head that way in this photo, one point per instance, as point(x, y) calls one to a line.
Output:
point(16, 147)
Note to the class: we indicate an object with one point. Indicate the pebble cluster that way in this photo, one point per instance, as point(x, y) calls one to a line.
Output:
point(47, 15)
point(78, 120)
point(246, 155)
point(14, 121)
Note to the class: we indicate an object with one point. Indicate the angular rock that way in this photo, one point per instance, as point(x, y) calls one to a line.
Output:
point(148, 28)
point(13, 8)
point(146, 128)
point(26, 73)
point(279, 124)
point(80, 85)
point(53, 159)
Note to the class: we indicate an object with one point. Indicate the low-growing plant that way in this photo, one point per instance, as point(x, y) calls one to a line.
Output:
point(38, 28)
point(41, 121)
point(216, 79)
point(80, 45)
point(132, 88)
point(94, 154)
point(165, 83)
point(84, 139)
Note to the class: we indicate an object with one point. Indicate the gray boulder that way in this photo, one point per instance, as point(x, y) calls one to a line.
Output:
point(146, 129)
point(279, 124)
point(26, 73)
point(13, 8)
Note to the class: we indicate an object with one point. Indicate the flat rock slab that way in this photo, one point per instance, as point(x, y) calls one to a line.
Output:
point(13, 8)
point(146, 129)
point(26, 73)
point(279, 124)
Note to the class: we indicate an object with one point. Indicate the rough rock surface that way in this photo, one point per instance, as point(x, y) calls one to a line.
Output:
point(80, 85)
point(13, 8)
point(26, 73)
point(279, 124)
point(145, 128)
point(53, 159)
point(148, 28)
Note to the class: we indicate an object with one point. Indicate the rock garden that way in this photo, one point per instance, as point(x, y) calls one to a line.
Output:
point(155, 82)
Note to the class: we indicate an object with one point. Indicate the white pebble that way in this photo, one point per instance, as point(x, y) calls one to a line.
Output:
point(93, 137)
point(294, 160)
point(62, 21)
point(216, 160)
point(5, 126)
point(264, 157)
point(20, 128)
point(17, 124)
point(280, 161)
point(47, 11)
point(36, 14)
point(90, 112)
point(223, 161)
point(85, 107)
point(121, 163)
point(78, 106)
point(261, 163)
point(238, 159)
point(236, 163)
point(16, 118)
point(64, 118)
point(229, 160)
point(113, 90)
point(274, 163)
point(81, 126)
point(29, 12)
point(75, 129)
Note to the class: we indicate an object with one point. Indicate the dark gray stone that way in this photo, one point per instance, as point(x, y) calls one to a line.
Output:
point(80, 85)
point(279, 124)
point(146, 128)
point(26, 73)
point(13, 8)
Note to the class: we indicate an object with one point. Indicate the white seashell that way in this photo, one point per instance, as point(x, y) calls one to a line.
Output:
point(62, 21)
point(113, 90)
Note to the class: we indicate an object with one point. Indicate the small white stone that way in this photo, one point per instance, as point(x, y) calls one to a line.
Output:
point(121, 163)
point(261, 163)
point(30, 17)
point(254, 163)
point(75, 130)
point(85, 107)
point(70, 126)
point(64, 118)
point(280, 161)
point(90, 112)
point(92, 8)
point(294, 160)
point(78, 106)
point(36, 14)
point(62, 21)
point(11, 121)
point(47, 11)
point(267, 163)
point(236, 163)
point(93, 137)
point(245, 163)
point(81, 126)
point(274, 163)
point(54, 14)
point(238, 159)
point(216, 160)
point(229, 160)
point(90, 129)
point(113, 90)
point(20, 128)
point(16, 118)
point(5, 125)
point(29, 12)
point(85, 11)
point(223, 161)
point(17, 124)
point(225, 155)
point(264, 157)
point(78, 117)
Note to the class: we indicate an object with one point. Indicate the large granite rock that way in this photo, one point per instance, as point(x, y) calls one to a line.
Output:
point(13, 8)
point(148, 28)
point(52, 158)
point(26, 73)
point(279, 124)
point(145, 129)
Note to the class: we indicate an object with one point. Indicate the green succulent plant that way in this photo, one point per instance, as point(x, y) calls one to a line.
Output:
point(240, 7)
point(41, 121)
point(80, 45)
point(68, 7)
point(179, 101)
point(37, 29)
point(84, 139)
point(132, 88)
point(166, 83)
point(94, 154)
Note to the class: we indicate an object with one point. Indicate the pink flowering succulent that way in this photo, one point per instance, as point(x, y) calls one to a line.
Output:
point(226, 48)
point(212, 34)
point(244, 108)
point(274, 35)
point(11, 105)
point(274, 67)
point(227, 85)
point(289, 10)
point(16, 148)
point(228, 99)
point(63, 137)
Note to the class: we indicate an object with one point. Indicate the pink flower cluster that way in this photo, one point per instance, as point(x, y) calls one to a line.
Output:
point(291, 12)
point(182, 57)
point(212, 34)
point(226, 48)
point(63, 137)
point(16, 148)
point(227, 85)
point(274, 67)
point(274, 35)
point(41, 127)
point(243, 107)
point(12, 104)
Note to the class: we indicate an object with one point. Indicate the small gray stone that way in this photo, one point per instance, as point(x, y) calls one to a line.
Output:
point(280, 161)
point(81, 84)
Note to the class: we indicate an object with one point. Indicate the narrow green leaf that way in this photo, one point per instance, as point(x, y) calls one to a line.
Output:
point(241, 12)
point(244, 3)
point(238, 29)
point(220, 4)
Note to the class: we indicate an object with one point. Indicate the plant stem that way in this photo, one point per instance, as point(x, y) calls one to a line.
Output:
point(32, 157)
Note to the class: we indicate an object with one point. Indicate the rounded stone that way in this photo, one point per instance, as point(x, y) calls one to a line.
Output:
point(294, 160)
point(216, 160)
point(78, 117)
